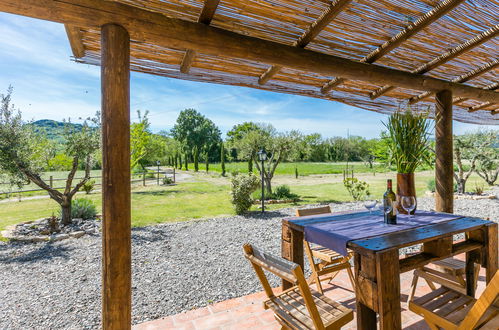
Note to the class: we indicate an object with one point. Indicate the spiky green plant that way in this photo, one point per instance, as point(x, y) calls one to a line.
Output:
point(409, 134)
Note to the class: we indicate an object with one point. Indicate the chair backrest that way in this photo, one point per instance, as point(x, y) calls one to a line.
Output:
point(286, 270)
point(314, 211)
point(488, 297)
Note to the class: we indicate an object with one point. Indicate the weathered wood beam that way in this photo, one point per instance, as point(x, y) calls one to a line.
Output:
point(463, 78)
point(174, 33)
point(444, 170)
point(74, 37)
point(116, 200)
point(445, 57)
point(207, 13)
point(422, 22)
point(491, 87)
point(312, 31)
point(479, 106)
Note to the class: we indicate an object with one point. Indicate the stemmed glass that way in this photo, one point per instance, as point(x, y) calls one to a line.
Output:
point(409, 204)
point(385, 209)
point(370, 203)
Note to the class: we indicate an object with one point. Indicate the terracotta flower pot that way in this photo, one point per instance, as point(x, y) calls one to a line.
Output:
point(405, 187)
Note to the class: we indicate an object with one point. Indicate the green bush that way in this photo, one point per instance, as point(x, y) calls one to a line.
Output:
point(284, 192)
point(357, 189)
point(430, 185)
point(167, 180)
point(242, 186)
point(88, 186)
point(83, 208)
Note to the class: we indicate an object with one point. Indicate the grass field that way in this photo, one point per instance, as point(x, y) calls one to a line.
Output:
point(304, 168)
point(209, 196)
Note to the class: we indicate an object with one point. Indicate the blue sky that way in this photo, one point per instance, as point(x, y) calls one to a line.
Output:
point(35, 60)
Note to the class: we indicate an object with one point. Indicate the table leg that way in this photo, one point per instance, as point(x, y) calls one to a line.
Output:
point(491, 253)
point(388, 282)
point(472, 257)
point(366, 317)
point(291, 248)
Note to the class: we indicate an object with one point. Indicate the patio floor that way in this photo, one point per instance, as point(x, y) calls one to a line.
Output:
point(247, 312)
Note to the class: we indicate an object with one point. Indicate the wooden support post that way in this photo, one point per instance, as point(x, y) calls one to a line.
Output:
point(116, 227)
point(51, 181)
point(174, 175)
point(444, 169)
point(144, 178)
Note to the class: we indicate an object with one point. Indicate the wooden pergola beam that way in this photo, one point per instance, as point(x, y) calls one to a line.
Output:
point(479, 106)
point(75, 41)
point(207, 13)
point(168, 32)
point(445, 57)
point(308, 35)
point(422, 22)
point(463, 78)
point(492, 87)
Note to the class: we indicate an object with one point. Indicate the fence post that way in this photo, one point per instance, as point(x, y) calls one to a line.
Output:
point(51, 181)
point(144, 178)
point(174, 175)
point(158, 175)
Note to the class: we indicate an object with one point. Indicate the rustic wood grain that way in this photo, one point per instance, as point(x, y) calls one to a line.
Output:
point(116, 206)
point(444, 163)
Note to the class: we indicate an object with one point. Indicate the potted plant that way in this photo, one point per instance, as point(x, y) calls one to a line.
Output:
point(409, 145)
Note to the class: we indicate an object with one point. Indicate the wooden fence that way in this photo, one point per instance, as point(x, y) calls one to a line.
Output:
point(144, 179)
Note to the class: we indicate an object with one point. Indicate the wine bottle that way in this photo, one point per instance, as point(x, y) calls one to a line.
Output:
point(389, 198)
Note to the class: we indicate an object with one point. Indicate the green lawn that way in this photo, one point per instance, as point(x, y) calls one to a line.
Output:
point(209, 197)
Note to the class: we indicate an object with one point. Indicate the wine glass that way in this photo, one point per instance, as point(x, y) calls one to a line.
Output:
point(370, 203)
point(408, 204)
point(386, 209)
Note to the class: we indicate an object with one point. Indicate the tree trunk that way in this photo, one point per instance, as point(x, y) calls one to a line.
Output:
point(268, 185)
point(186, 163)
point(196, 159)
point(461, 186)
point(66, 213)
point(250, 165)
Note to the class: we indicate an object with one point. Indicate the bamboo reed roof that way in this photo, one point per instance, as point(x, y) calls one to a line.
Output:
point(461, 45)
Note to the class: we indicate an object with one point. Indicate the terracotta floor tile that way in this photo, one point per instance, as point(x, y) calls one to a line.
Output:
point(247, 312)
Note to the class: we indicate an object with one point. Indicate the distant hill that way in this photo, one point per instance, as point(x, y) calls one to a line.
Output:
point(53, 129)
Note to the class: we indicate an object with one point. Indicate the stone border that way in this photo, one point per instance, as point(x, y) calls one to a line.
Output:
point(466, 196)
point(8, 233)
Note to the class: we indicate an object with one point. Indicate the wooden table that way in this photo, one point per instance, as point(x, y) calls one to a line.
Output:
point(378, 265)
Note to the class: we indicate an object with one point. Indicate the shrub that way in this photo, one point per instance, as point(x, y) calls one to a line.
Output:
point(430, 185)
point(88, 186)
point(167, 180)
point(83, 208)
point(242, 186)
point(284, 192)
point(478, 189)
point(357, 189)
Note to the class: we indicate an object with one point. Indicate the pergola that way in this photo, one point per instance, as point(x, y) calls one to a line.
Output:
point(374, 55)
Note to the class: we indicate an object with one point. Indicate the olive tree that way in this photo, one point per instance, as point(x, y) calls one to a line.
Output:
point(22, 156)
point(278, 146)
point(469, 149)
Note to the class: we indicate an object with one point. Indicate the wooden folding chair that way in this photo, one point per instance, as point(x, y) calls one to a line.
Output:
point(299, 307)
point(331, 262)
point(449, 309)
point(449, 272)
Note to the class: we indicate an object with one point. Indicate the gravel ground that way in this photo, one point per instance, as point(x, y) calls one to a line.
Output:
point(176, 267)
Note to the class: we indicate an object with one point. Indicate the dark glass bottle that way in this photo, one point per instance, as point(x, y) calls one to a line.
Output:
point(389, 198)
